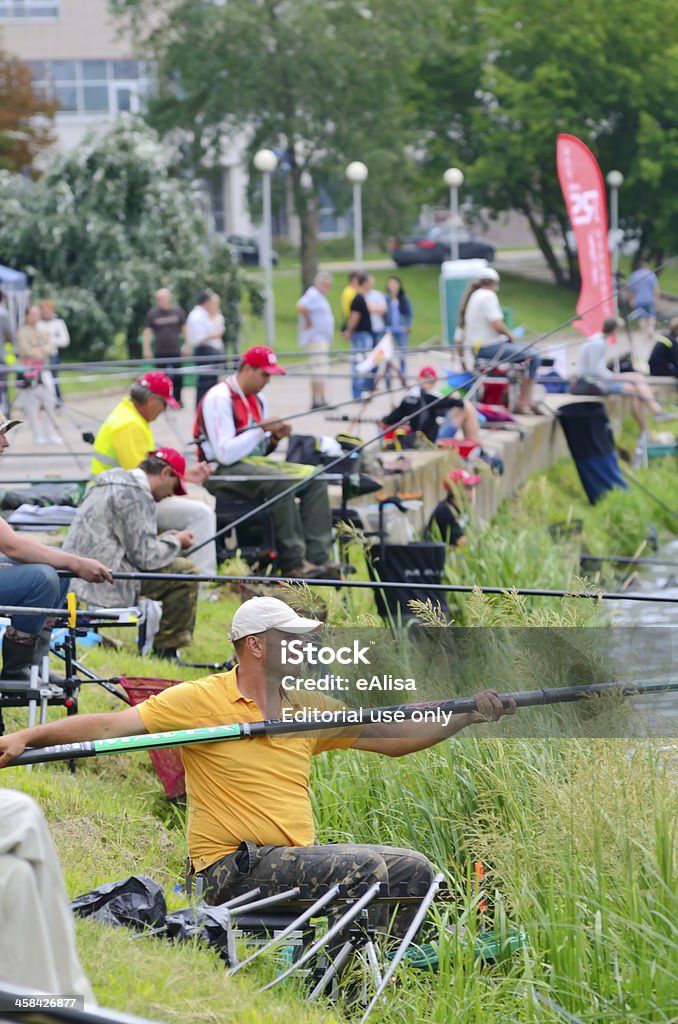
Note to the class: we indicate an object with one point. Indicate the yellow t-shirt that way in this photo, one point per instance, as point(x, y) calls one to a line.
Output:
point(347, 297)
point(255, 789)
point(124, 440)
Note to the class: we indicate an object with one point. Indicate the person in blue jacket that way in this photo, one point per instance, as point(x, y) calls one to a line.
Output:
point(398, 317)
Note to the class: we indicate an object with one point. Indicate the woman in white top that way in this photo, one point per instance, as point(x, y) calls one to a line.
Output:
point(482, 331)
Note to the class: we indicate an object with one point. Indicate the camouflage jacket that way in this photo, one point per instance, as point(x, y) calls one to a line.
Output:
point(117, 524)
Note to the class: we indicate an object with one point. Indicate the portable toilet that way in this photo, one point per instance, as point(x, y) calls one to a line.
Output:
point(455, 276)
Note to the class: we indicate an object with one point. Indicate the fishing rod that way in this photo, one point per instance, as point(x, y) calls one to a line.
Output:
point(646, 490)
point(313, 719)
point(628, 560)
point(454, 588)
point(301, 482)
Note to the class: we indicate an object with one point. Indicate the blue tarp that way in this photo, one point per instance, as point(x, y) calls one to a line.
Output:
point(13, 280)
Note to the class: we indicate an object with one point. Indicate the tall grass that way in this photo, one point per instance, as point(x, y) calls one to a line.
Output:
point(578, 836)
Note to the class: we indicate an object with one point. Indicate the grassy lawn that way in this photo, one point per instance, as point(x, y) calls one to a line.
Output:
point(537, 305)
point(577, 835)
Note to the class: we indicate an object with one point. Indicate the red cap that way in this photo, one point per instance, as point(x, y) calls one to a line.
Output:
point(428, 371)
point(462, 476)
point(263, 358)
point(160, 384)
point(175, 461)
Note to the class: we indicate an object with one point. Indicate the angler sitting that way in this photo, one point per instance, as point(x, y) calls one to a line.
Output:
point(447, 521)
point(125, 438)
point(663, 359)
point(28, 578)
point(117, 519)
point(234, 431)
point(426, 408)
point(594, 378)
point(251, 817)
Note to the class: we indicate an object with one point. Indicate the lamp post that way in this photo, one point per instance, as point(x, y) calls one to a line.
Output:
point(266, 162)
point(615, 180)
point(454, 179)
point(356, 173)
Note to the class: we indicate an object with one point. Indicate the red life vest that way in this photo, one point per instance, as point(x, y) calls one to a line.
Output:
point(244, 414)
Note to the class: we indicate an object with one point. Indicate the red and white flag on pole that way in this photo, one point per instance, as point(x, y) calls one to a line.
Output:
point(584, 192)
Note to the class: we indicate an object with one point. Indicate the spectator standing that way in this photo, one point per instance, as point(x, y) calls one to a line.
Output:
point(165, 325)
point(316, 333)
point(398, 317)
point(57, 331)
point(482, 330)
point(359, 333)
point(643, 287)
point(376, 303)
point(347, 296)
point(34, 349)
point(204, 337)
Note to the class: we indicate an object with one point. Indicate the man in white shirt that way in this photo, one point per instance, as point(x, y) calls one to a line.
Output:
point(55, 328)
point(316, 333)
point(483, 331)
point(234, 431)
point(594, 378)
point(376, 303)
point(204, 337)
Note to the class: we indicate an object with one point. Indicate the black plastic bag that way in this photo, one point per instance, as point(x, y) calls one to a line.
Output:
point(137, 902)
point(209, 924)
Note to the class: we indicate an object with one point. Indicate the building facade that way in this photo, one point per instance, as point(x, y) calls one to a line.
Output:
point(78, 56)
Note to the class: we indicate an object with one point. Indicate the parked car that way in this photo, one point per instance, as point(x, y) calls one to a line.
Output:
point(247, 250)
point(435, 246)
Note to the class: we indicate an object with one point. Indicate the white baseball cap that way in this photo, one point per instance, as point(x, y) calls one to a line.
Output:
point(262, 613)
point(488, 274)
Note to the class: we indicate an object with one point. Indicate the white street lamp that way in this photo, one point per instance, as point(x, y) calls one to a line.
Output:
point(454, 179)
point(266, 162)
point(356, 172)
point(615, 180)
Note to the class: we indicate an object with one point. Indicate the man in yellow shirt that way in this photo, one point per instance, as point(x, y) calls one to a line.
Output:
point(347, 297)
point(125, 438)
point(250, 817)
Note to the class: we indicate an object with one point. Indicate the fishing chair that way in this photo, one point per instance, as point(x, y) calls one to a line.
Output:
point(286, 920)
point(255, 539)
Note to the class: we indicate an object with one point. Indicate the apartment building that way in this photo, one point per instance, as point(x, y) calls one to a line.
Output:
point(77, 54)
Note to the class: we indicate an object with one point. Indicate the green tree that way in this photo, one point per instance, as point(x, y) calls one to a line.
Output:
point(590, 68)
point(105, 226)
point(322, 82)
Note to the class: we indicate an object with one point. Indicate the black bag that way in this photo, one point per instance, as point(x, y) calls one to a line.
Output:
point(137, 902)
point(305, 449)
point(416, 562)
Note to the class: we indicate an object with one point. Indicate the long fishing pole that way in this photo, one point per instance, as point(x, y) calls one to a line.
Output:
point(628, 560)
point(302, 482)
point(650, 494)
point(454, 588)
point(310, 722)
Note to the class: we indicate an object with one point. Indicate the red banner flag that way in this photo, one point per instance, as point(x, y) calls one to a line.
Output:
point(584, 192)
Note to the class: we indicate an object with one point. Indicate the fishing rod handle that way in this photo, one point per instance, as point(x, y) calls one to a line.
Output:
point(62, 752)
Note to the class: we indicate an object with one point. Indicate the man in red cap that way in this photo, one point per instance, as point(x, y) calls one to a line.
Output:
point(117, 522)
point(427, 407)
point(125, 438)
point(447, 522)
point(235, 431)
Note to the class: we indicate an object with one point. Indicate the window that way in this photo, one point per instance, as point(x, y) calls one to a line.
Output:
point(88, 87)
point(29, 9)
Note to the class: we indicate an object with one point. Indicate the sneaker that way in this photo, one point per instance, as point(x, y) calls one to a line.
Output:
point(166, 653)
point(664, 416)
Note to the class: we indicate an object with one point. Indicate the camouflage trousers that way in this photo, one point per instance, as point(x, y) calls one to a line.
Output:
point(179, 599)
point(284, 867)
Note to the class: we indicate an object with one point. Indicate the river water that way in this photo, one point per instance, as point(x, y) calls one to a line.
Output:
point(653, 579)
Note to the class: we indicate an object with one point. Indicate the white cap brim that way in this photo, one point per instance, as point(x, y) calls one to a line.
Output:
point(296, 625)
